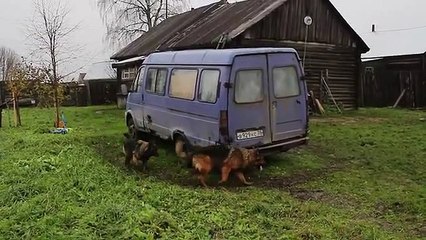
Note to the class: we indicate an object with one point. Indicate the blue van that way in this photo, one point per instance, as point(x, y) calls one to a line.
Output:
point(249, 97)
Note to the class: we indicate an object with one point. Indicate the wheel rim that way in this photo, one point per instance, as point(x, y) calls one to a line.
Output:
point(131, 128)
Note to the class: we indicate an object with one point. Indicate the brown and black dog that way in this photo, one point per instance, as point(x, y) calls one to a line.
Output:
point(225, 161)
point(138, 152)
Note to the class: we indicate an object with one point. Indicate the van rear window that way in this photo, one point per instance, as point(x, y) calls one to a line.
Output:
point(286, 82)
point(182, 83)
point(249, 86)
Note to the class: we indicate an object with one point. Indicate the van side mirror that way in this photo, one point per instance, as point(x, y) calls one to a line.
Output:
point(124, 89)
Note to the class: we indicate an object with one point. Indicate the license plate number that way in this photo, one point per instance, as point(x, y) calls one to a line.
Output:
point(249, 134)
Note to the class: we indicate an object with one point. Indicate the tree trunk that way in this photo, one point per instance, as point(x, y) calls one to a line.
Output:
point(17, 114)
point(55, 92)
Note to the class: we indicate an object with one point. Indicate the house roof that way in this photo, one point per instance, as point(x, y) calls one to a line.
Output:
point(395, 43)
point(207, 25)
point(209, 56)
point(100, 70)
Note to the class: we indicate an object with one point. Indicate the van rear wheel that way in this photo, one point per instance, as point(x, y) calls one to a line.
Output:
point(180, 148)
point(182, 152)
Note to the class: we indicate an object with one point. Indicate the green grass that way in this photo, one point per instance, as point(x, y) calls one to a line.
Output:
point(361, 177)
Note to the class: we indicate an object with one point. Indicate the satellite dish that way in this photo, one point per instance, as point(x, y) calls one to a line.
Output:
point(308, 21)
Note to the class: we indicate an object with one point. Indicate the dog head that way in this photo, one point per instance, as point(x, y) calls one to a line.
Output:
point(152, 150)
point(256, 159)
point(145, 149)
point(143, 152)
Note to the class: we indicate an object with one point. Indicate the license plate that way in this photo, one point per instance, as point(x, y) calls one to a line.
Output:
point(249, 134)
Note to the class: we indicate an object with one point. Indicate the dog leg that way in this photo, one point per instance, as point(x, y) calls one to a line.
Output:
point(202, 178)
point(128, 159)
point(225, 174)
point(240, 175)
point(144, 166)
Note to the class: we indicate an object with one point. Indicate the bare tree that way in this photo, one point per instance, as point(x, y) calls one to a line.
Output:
point(127, 19)
point(8, 59)
point(18, 82)
point(51, 33)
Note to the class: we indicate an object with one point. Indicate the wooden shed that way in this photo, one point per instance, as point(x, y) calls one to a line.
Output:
point(101, 83)
point(333, 48)
point(388, 79)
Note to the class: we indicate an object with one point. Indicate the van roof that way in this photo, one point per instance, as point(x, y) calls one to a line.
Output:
point(208, 56)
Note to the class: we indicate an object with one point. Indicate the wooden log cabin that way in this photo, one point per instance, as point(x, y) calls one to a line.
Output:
point(333, 48)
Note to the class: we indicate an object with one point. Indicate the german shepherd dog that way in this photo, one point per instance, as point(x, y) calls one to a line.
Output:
point(138, 152)
point(225, 161)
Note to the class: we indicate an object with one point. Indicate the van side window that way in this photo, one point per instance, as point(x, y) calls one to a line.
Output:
point(286, 82)
point(156, 80)
point(249, 86)
point(208, 86)
point(138, 80)
point(182, 83)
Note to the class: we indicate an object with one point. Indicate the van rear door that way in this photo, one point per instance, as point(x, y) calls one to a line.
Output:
point(248, 101)
point(267, 101)
point(287, 96)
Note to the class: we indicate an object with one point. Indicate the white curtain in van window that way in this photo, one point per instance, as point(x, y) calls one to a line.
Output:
point(286, 83)
point(182, 83)
point(150, 80)
point(248, 87)
point(208, 85)
point(161, 81)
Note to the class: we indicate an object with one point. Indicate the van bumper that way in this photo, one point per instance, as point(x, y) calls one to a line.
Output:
point(282, 146)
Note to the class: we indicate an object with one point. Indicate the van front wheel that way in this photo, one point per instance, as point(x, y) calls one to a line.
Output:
point(132, 128)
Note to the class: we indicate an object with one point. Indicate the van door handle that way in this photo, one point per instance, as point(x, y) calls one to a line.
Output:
point(298, 101)
point(274, 105)
point(142, 98)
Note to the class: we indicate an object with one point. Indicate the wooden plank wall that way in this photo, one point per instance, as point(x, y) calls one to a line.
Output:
point(384, 80)
point(286, 23)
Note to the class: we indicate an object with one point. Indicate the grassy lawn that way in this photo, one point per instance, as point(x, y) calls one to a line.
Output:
point(361, 177)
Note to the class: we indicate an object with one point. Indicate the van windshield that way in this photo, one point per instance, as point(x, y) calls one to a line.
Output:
point(248, 86)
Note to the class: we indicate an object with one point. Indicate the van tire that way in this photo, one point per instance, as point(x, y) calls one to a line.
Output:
point(180, 148)
point(132, 128)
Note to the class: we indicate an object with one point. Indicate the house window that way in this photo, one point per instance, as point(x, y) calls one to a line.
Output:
point(286, 82)
point(369, 69)
point(182, 83)
point(128, 73)
point(249, 86)
point(208, 86)
point(156, 81)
